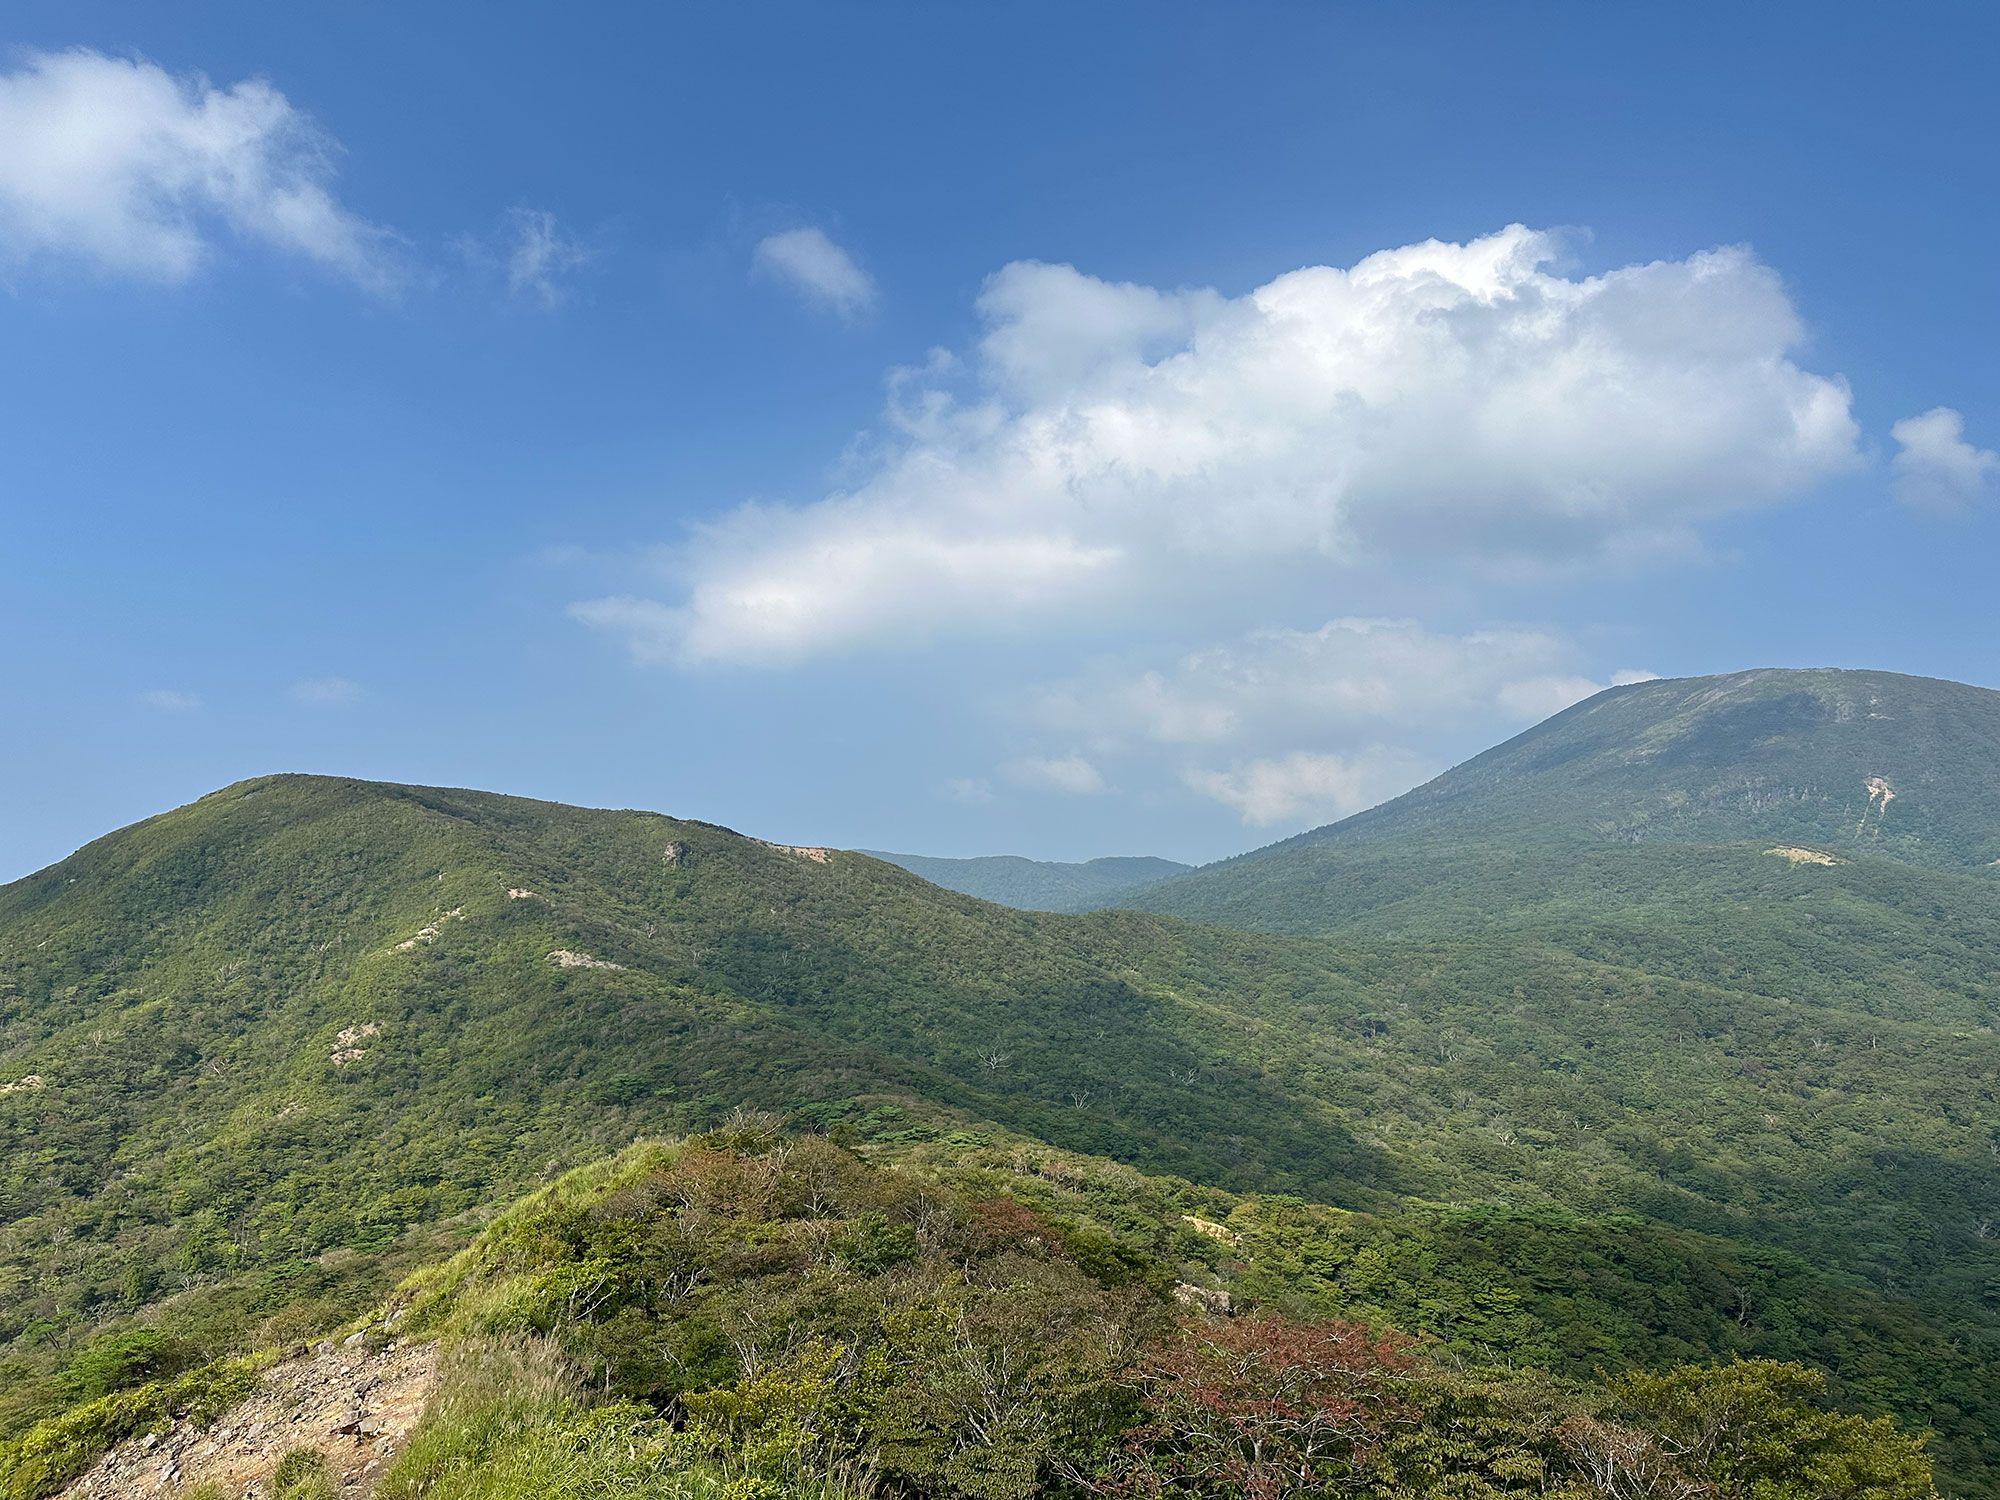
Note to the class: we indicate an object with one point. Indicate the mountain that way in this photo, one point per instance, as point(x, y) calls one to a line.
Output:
point(1861, 761)
point(1680, 793)
point(1034, 884)
point(261, 1054)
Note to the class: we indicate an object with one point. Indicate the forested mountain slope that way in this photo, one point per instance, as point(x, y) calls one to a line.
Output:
point(299, 1021)
point(1655, 794)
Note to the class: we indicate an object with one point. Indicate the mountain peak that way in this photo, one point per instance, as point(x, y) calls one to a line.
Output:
point(1833, 765)
point(1870, 761)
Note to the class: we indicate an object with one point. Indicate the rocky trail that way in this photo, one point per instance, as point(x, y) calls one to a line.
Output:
point(354, 1405)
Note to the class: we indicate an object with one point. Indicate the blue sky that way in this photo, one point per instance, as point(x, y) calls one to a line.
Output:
point(1043, 429)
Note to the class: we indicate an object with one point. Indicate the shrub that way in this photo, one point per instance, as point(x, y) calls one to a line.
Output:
point(122, 1360)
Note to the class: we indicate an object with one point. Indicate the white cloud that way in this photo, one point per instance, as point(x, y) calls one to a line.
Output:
point(1072, 774)
point(170, 700)
point(1349, 681)
point(1127, 445)
point(1308, 786)
point(1289, 724)
point(931, 576)
point(326, 692)
point(116, 162)
point(818, 270)
point(1937, 469)
point(971, 790)
point(1533, 699)
point(539, 255)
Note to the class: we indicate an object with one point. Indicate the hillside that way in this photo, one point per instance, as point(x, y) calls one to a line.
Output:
point(1825, 768)
point(269, 1050)
point(1036, 884)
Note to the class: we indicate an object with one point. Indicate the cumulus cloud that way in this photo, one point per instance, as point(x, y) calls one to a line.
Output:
point(1286, 725)
point(1307, 786)
point(818, 270)
point(1119, 443)
point(326, 692)
point(1349, 679)
point(1533, 699)
point(170, 700)
point(119, 164)
point(1936, 469)
point(1070, 773)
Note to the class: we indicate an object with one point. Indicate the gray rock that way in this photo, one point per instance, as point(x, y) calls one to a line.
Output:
point(1210, 1300)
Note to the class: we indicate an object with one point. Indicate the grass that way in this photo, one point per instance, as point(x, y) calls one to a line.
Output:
point(511, 1421)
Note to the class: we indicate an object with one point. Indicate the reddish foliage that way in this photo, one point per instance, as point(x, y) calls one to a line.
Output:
point(1262, 1406)
point(1002, 1223)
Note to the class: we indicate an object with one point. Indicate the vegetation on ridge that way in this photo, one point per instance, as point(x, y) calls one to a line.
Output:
point(796, 1317)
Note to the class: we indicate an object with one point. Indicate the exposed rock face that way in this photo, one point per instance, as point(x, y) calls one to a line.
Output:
point(356, 1407)
point(816, 855)
point(431, 933)
point(1211, 1300)
point(563, 958)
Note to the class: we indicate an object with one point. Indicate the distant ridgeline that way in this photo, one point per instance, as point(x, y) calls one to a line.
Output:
point(1038, 885)
point(1662, 1033)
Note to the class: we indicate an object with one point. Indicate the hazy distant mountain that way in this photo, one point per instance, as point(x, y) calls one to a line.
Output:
point(1035, 884)
point(1645, 793)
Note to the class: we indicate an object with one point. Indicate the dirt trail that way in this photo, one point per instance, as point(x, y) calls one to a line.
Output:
point(300, 1403)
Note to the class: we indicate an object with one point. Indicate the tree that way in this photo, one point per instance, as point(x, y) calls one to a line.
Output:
point(1751, 1428)
point(1262, 1406)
